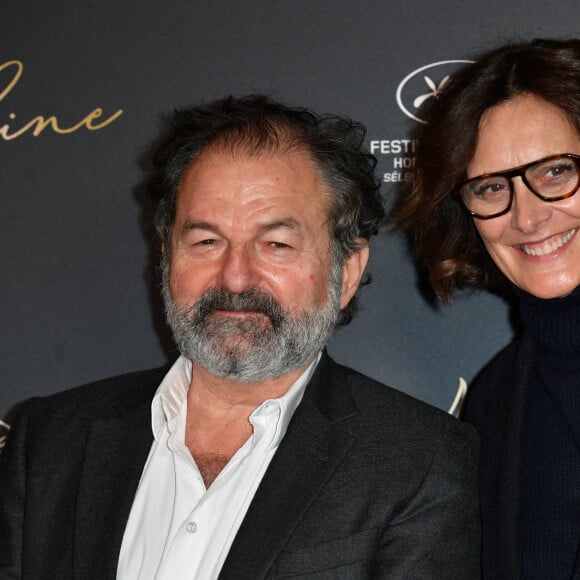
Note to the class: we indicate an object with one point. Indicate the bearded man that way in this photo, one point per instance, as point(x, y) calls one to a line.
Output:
point(254, 455)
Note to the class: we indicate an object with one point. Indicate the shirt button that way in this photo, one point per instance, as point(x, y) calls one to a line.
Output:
point(191, 527)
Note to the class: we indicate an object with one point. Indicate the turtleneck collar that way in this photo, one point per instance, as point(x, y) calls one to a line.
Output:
point(553, 324)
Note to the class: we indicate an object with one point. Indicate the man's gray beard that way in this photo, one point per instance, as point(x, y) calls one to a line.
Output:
point(256, 347)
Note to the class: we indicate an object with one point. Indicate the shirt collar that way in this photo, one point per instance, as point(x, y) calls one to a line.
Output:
point(284, 405)
point(171, 396)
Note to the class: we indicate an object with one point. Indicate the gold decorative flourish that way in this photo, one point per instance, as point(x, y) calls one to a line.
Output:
point(40, 123)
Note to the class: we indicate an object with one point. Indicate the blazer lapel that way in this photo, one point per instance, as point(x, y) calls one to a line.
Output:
point(116, 452)
point(316, 442)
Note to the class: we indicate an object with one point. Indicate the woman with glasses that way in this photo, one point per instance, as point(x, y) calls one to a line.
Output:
point(495, 203)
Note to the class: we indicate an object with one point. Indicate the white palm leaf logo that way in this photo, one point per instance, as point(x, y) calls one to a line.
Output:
point(435, 90)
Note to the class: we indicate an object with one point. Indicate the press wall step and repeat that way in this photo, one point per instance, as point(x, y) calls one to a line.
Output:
point(84, 90)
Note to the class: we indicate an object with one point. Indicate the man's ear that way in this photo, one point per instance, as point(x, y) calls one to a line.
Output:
point(353, 270)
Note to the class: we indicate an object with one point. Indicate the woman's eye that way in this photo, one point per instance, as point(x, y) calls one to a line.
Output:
point(558, 170)
point(489, 188)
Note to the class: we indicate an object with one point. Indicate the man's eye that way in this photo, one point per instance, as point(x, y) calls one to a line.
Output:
point(203, 244)
point(278, 245)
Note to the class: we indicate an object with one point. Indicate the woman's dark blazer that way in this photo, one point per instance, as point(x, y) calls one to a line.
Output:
point(497, 406)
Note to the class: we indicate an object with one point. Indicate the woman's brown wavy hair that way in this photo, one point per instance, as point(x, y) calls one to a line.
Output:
point(443, 233)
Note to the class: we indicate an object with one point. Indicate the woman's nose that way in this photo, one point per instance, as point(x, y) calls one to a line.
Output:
point(528, 211)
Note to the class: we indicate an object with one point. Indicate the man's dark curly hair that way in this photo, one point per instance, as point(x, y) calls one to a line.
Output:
point(444, 234)
point(255, 125)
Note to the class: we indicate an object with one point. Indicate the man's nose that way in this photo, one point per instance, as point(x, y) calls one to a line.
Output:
point(528, 211)
point(238, 271)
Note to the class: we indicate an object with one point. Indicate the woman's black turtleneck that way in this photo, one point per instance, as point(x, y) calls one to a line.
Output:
point(550, 519)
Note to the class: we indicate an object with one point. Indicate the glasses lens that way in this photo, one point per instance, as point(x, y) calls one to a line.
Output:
point(554, 177)
point(486, 196)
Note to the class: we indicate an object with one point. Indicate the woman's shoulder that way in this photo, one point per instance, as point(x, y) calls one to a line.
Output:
point(491, 389)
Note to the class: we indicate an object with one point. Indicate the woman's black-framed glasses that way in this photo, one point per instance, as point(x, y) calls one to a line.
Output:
point(551, 179)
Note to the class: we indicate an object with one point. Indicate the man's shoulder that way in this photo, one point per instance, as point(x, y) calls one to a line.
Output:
point(59, 424)
point(385, 410)
point(398, 433)
point(99, 397)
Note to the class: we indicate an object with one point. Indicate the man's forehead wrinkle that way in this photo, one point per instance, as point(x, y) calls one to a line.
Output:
point(288, 223)
point(262, 226)
point(193, 224)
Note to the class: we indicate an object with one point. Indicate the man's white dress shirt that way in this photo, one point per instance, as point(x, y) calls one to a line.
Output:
point(178, 529)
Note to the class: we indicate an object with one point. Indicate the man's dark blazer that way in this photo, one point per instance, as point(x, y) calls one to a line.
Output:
point(367, 483)
point(497, 406)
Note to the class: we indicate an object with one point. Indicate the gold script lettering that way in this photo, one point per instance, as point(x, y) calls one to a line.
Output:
point(38, 124)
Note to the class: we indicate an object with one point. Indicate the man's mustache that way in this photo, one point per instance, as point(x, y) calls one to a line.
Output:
point(250, 300)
